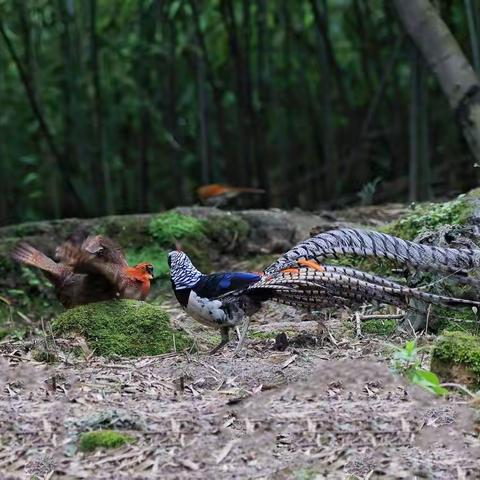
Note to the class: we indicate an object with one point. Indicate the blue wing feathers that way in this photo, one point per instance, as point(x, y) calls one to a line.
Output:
point(217, 284)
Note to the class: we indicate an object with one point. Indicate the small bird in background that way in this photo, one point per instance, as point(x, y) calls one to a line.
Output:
point(218, 195)
point(89, 269)
point(227, 300)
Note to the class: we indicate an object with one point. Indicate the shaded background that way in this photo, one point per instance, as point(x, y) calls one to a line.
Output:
point(121, 106)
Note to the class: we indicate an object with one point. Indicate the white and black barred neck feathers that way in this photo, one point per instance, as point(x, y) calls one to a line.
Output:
point(182, 271)
point(370, 243)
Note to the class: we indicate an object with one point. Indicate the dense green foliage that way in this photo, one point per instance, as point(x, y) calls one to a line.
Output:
point(118, 107)
point(90, 441)
point(122, 327)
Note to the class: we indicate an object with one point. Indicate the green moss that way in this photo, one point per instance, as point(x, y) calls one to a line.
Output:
point(445, 319)
point(122, 327)
point(263, 335)
point(170, 226)
point(454, 352)
point(429, 216)
point(379, 327)
point(90, 441)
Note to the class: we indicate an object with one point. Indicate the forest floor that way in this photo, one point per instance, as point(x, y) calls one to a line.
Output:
point(325, 407)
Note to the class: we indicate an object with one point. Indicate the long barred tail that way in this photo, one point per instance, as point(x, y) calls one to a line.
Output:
point(316, 289)
point(369, 243)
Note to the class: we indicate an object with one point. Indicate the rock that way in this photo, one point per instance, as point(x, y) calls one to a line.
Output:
point(122, 327)
point(456, 358)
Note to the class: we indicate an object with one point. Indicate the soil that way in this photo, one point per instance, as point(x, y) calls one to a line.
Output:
point(323, 405)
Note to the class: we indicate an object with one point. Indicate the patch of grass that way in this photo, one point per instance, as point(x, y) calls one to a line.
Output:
point(4, 332)
point(90, 441)
point(465, 320)
point(263, 335)
point(457, 353)
point(122, 327)
point(379, 327)
point(430, 216)
point(170, 226)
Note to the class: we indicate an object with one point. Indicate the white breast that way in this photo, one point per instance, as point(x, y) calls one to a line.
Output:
point(208, 312)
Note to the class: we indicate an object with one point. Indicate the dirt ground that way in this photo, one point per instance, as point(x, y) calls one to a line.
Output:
point(326, 407)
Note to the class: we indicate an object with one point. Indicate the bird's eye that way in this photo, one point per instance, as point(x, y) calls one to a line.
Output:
point(150, 269)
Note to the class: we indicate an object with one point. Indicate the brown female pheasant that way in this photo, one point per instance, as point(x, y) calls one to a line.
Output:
point(89, 269)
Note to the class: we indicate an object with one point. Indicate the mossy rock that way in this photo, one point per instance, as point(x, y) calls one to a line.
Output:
point(456, 358)
point(430, 216)
point(90, 441)
point(127, 328)
point(169, 227)
point(380, 327)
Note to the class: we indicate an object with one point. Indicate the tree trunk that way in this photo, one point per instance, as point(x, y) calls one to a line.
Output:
point(446, 60)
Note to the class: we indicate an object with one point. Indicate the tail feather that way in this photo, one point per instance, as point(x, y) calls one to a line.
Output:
point(28, 255)
point(369, 243)
point(247, 190)
point(308, 282)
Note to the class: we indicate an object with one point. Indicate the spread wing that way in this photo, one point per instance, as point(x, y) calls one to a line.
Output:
point(95, 255)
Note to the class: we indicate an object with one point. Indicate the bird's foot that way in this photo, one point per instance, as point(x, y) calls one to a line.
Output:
point(225, 339)
point(242, 335)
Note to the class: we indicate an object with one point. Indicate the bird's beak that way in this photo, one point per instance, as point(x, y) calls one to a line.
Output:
point(150, 277)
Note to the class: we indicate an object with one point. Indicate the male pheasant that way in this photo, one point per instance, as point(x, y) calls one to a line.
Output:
point(225, 300)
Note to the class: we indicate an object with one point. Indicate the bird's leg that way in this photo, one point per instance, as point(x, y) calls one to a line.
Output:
point(225, 339)
point(243, 334)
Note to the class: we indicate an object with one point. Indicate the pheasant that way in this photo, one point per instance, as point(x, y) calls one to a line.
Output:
point(226, 300)
point(90, 269)
point(217, 195)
